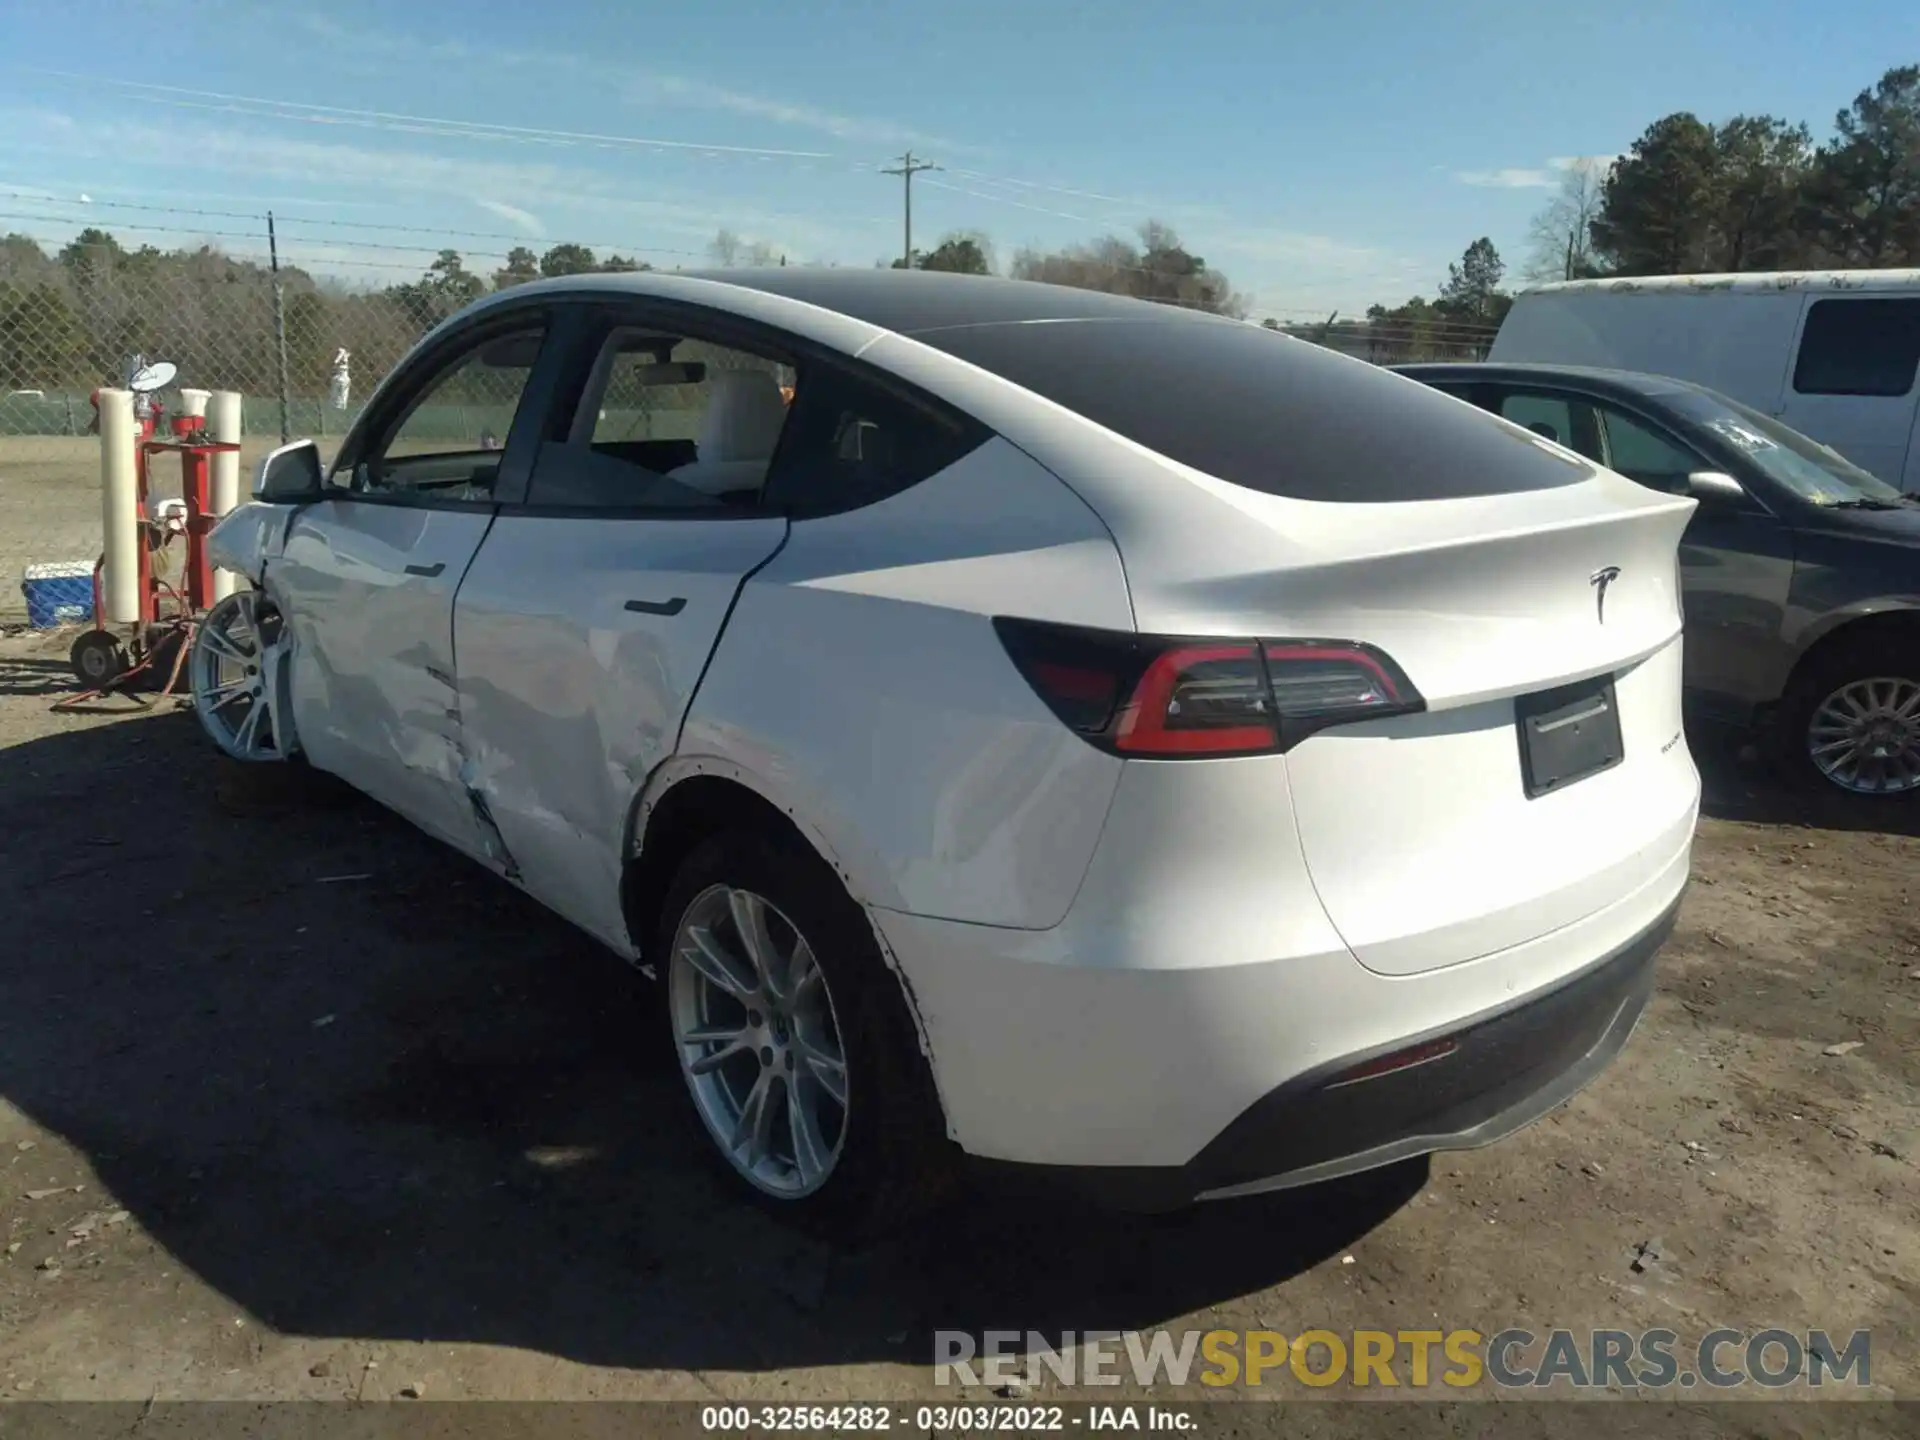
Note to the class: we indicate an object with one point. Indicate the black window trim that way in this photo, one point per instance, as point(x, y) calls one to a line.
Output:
point(436, 358)
point(1806, 324)
point(1756, 504)
point(588, 319)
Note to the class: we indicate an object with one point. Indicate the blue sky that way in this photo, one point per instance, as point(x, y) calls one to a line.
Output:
point(1324, 156)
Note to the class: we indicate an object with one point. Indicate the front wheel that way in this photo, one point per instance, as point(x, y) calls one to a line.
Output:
point(1853, 721)
point(799, 1055)
point(233, 671)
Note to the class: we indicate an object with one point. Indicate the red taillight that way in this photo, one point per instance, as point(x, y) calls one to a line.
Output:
point(1198, 700)
point(1171, 698)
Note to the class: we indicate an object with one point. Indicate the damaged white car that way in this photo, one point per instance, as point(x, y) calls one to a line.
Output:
point(1108, 743)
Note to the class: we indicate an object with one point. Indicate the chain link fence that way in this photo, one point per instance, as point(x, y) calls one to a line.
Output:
point(302, 351)
point(302, 348)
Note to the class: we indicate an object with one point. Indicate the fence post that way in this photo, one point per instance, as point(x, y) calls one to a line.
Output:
point(279, 325)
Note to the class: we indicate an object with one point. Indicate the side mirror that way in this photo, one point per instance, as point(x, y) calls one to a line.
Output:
point(290, 475)
point(1715, 487)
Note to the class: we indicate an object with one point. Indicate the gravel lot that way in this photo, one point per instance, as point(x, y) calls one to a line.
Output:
point(296, 1104)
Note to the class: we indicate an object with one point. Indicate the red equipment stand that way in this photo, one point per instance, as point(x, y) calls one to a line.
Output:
point(159, 648)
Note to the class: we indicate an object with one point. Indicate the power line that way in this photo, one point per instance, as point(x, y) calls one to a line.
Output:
point(906, 170)
point(146, 227)
point(294, 110)
point(1005, 200)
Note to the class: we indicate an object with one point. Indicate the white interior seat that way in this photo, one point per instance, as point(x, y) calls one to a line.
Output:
point(737, 434)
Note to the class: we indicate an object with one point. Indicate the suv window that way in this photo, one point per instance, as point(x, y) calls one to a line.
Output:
point(1565, 420)
point(1859, 347)
point(1642, 454)
point(448, 439)
point(667, 422)
point(1256, 409)
point(857, 442)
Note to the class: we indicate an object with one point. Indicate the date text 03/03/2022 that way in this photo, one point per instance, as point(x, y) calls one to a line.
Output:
point(963, 1418)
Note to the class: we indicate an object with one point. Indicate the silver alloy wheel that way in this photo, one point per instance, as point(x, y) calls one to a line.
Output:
point(1865, 736)
point(759, 1041)
point(231, 669)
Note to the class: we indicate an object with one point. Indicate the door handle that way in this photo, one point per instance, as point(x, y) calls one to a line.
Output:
point(429, 571)
point(658, 607)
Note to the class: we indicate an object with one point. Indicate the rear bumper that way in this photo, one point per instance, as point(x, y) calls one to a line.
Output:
point(1192, 981)
point(1508, 1066)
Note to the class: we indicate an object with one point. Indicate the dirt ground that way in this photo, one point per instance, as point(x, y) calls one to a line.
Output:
point(295, 1103)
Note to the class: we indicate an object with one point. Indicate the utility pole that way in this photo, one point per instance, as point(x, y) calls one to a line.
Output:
point(906, 170)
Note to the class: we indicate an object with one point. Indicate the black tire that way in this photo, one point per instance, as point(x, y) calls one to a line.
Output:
point(896, 1163)
point(1869, 657)
point(163, 646)
point(97, 658)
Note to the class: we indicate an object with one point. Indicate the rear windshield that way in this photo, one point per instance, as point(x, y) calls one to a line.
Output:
point(1259, 410)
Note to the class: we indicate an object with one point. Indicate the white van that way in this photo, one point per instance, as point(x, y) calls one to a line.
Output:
point(1832, 353)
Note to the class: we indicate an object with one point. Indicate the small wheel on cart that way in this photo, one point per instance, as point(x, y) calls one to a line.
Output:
point(97, 659)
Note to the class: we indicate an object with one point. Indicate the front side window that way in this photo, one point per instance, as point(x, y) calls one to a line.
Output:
point(446, 443)
point(1859, 347)
point(1642, 454)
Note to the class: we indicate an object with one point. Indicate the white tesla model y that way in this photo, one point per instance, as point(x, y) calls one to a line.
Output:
point(1111, 743)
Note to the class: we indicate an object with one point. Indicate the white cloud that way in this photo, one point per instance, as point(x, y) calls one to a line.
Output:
point(1512, 178)
point(1532, 177)
point(653, 88)
point(513, 215)
point(638, 84)
point(661, 225)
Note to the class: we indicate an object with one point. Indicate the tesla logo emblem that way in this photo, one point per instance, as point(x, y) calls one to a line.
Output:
point(1600, 580)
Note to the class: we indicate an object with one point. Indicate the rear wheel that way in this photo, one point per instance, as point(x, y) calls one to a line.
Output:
point(1852, 721)
point(793, 1036)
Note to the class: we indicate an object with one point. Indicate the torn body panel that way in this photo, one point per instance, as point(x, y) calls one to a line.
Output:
point(248, 536)
point(493, 847)
point(367, 592)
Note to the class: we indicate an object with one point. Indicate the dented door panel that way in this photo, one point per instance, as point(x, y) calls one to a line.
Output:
point(581, 641)
point(368, 593)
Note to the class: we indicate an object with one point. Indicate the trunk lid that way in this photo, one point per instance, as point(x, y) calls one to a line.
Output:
point(1420, 836)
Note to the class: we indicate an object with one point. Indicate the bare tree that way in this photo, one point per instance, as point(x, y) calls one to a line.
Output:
point(727, 250)
point(1560, 239)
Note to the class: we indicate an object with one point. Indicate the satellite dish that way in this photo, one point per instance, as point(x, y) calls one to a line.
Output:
point(150, 378)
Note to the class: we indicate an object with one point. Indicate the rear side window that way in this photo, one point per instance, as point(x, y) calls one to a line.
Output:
point(857, 441)
point(1556, 418)
point(1262, 411)
point(1859, 347)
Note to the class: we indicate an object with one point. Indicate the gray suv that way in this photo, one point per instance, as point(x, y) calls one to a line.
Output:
point(1801, 571)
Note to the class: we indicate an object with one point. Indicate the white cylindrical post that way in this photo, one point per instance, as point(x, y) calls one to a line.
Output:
point(194, 402)
point(223, 422)
point(119, 511)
